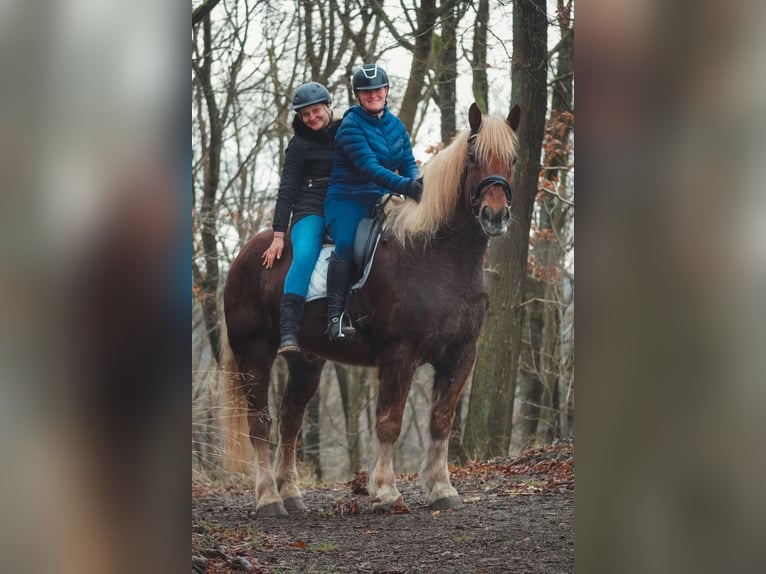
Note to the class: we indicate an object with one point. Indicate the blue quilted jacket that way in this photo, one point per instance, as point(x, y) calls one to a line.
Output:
point(373, 156)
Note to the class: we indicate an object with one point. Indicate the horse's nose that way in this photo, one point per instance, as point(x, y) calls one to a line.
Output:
point(495, 222)
point(501, 216)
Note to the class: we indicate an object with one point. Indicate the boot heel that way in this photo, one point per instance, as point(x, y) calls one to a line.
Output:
point(288, 345)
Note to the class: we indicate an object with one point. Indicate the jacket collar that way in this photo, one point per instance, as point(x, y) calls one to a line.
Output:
point(362, 113)
point(322, 135)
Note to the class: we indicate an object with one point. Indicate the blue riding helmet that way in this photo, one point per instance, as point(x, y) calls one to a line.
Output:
point(369, 77)
point(310, 93)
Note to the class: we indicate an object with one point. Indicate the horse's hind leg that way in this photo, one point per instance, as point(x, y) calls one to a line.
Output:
point(450, 377)
point(301, 386)
point(395, 378)
point(255, 364)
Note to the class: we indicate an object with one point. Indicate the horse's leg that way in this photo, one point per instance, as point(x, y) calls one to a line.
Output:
point(255, 364)
point(395, 374)
point(450, 377)
point(301, 386)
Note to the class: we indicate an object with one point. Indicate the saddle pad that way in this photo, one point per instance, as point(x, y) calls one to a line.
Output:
point(318, 282)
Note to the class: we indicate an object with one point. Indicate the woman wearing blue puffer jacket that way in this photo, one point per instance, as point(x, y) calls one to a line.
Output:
point(373, 157)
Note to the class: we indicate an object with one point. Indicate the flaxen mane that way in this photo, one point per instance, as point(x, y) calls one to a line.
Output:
point(442, 176)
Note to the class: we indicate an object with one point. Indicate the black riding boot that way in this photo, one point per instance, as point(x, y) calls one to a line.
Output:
point(289, 322)
point(338, 274)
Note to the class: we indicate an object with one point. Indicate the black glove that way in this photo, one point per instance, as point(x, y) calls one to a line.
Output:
point(415, 189)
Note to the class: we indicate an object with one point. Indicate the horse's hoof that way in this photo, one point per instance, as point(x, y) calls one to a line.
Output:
point(448, 503)
point(294, 504)
point(273, 509)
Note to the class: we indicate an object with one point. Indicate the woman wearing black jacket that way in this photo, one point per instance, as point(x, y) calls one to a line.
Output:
point(302, 189)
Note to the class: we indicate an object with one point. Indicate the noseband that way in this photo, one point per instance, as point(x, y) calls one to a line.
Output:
point(478, 189)
point(486, 183)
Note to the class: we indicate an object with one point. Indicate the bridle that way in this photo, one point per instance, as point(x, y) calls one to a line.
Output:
point(477, 190)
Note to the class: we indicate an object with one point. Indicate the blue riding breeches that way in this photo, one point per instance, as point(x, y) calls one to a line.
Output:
point(306, 236)
point(343, 216)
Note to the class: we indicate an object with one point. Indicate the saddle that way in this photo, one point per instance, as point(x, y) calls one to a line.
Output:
point(368, 233)
point(366, 238)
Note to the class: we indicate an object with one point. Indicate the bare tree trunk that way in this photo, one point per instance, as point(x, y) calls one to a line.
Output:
point(451, 12)
point(530, 388)
point(479, 57)
point(550, 252)
point(353, 383)
point(421, 51)
point(310, 451)
point(549, 364)
point(208, 278)
point(488, 430)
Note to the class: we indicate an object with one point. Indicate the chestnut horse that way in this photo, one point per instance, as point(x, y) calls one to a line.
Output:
point(426, 300)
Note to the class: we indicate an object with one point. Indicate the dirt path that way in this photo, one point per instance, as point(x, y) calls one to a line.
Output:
point(518, 517)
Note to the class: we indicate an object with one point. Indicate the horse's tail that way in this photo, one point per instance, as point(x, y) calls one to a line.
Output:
point(237, 451)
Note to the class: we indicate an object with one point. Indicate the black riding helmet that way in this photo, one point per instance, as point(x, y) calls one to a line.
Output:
point(310, 93)
point(369, 77)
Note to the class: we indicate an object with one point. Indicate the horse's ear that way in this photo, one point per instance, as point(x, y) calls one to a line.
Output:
point(514, 116)
point(474, 118)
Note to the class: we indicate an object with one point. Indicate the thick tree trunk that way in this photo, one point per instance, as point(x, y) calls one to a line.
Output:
point(538, 388)
point(420, 57)
point(494, 384)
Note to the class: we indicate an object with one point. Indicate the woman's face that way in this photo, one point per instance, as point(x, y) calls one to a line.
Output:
point(315, 116)
point(374, 101)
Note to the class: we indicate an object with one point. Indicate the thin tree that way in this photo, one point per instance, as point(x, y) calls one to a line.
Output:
point(206, 270)
point(479, 56)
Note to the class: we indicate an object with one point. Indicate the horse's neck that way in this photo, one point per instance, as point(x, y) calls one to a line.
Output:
point(463, 233)
point(465, 229)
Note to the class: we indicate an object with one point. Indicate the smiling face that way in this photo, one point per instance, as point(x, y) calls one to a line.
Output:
point(315, 116)
point(374, 101)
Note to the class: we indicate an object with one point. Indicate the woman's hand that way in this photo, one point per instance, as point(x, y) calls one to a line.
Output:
point(274, 251)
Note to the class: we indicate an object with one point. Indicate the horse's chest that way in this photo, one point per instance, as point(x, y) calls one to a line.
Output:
point(449, 312)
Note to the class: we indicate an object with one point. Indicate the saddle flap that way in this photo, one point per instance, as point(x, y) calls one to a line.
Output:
point(367, 233)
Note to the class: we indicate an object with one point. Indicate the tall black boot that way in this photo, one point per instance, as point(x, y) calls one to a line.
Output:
point(290, 312)
point(338, 274)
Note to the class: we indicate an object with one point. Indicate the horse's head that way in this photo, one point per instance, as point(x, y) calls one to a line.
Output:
point(488, 177)
point(473, 175)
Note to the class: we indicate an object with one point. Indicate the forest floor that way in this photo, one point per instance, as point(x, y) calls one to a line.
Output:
point(518, 518)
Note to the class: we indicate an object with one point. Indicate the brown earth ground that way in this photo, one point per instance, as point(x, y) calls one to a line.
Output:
point(518, 518)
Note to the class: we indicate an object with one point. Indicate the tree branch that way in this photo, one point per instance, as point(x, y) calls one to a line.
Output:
point(379, 12)
point(202, 10)
point(557, 196)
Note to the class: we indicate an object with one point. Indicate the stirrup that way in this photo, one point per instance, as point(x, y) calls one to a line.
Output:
point(344, 329)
